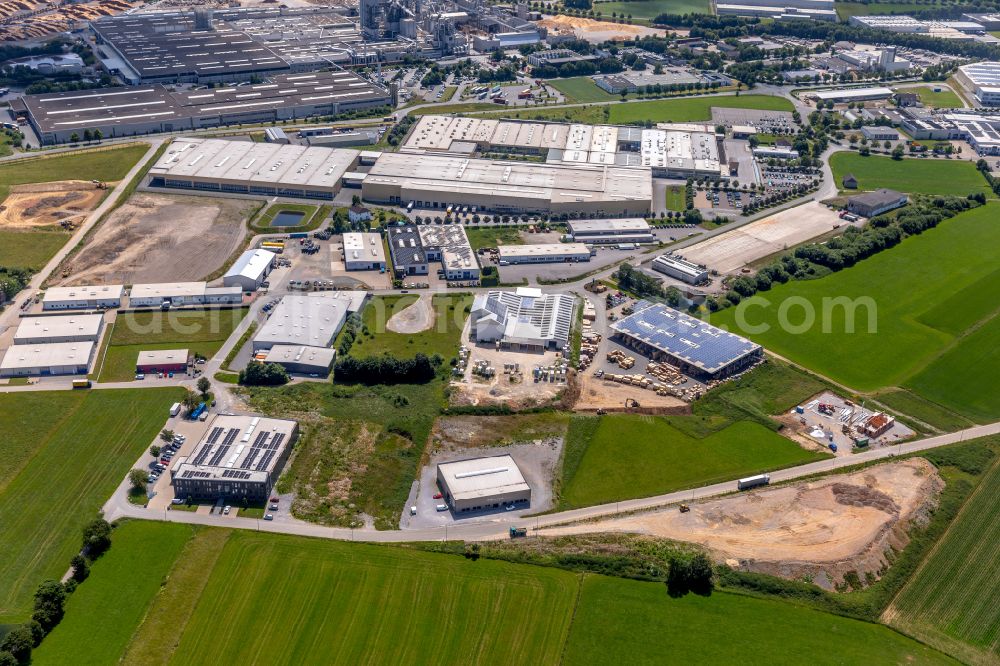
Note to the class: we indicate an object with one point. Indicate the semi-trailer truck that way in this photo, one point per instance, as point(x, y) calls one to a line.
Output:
point(753, 481)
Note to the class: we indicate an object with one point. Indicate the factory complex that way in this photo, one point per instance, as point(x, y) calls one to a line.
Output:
point(602, 232)
point(522, 320)
point(482, 483)
point(983, 79)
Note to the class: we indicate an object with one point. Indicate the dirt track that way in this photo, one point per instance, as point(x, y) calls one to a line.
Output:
point(47, 204)
point(419, 316)
point(161, 238)
point(821, 529)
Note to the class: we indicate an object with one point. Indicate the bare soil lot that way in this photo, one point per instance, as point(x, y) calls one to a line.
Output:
point(731, 251)
point(820, 529)
point(64, 203)
point(414, 318)
point(596, 393)
point(161, 238)
point(596, 31)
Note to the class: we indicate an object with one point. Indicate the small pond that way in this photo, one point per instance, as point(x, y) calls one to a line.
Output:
point(287, 218)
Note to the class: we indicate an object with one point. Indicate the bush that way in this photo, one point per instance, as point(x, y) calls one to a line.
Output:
point(49, 601)
point(385, 369)
point(18, 644)
point(80, 568)
point(263, 374)
point(96, 537)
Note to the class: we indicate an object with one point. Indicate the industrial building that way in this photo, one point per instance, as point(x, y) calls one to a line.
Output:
point(183, 293)
point(450, 245)
point(60, 358)
point(603, 232)
point(162, 360)
point(439, 181)
point(254, 169)
point(875, 60)
point(302, 359)
point(819, 10)
point(59, 328)
point(523, 320)
point(635, 81)
point(851, 94)
point(407, 251)
point(878, 133)
point(693, 346)
point(239, 457)
point(250, 271)
point(870, 204)
point(313, 321)
point(961, 30)
point(83, 298)
point(481, 484)
point(363, 252)
point(547, 253)
point(983, 79)
point(680, 269)
point(149, 109)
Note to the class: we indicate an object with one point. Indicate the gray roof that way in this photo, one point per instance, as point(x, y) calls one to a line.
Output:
point(406, 247)
point(877, 198)
point(303, 320)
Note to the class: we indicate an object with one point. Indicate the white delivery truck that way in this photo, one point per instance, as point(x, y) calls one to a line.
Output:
point(175, 409)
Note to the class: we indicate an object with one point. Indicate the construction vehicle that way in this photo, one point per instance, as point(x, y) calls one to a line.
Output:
point(631, 403)
point(684, 508)
point(516, 532)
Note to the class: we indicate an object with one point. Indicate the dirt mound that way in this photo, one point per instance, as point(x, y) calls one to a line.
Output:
point(860, 496)
point(561, 22)
point(63, 203)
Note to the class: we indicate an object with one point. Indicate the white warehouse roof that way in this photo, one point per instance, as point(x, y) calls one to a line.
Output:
point(162, 357)
point(543, 250)
point(98, 292)
point(482, 477)
point(608, 226)
point(252, 264)
point(852, 93)
point(303, 320)
point(57, 354)
point(40, 328)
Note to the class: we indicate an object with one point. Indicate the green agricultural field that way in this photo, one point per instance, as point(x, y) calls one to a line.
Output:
point(912, 175)
point(945, 99)
point(639, 456)
point(937, 416)
point(480, 237)
point(951, 601)
point(348, 604)
point(650, 9)
point(107, 165)
point(199, 331)
point(581, 89)
point(68, 452)
point(102, 614)
point(898, 335)
point(30, 249)
point(676, 197)
point(442, 338)
point(623, 617)
point(588, 115)
point(690, 109)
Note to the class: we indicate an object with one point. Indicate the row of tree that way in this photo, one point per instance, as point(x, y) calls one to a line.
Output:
point(386, 369)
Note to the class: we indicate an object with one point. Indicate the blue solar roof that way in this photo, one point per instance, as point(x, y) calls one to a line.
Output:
point(682, 336)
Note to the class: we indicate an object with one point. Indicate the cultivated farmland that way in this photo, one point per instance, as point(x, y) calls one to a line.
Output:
point(70, 451)
point(913, 175)
point(900, 289)
point(951, 602)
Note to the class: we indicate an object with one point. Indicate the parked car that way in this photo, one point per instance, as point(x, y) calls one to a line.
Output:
point(273, 507)
point(438, 495)
point(268, 516)
point(225, 509)
point(441, 507)
point(177, 500)
point(140, 377)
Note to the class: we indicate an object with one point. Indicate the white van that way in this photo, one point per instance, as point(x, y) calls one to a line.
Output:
point(175, 409)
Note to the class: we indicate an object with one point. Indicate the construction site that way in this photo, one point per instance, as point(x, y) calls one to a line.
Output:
point(62, 204)
point(841, 425)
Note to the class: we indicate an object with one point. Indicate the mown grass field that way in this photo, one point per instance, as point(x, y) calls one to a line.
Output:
point(581, 89)
point(198, 331)
point(933, 414)
point(69, 452)
point(442, 338)
point(101, 164)
point(912, 175)
point(480, 237)
point(951, 602)
point(588, 115)
point(676, 197)
point(945, 99)
point(913, 343)
point(650, 9)
point(689, 109)
point(30, 249)
point(639, 456)
point(102, 614)
point(623, 617)
point(846, 10)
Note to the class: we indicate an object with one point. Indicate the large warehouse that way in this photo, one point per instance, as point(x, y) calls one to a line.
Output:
point(82, 298)
point(482, 484)
point(983, 78)
point(696, 348)
point(256, 169)
point(251, 270)
point(302, 359)
point(603, 232)
point(523, 320)
point(680, 269)
point(183, 293)
point(439, 181)
point(546, 253)
point(59, 328)
point(60, 358)
point(239, 456)
point(313, 321)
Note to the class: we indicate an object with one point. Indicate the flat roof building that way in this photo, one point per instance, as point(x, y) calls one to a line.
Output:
point(312, 321)
point(525, 319)
point(59, 328)
point(407, 250)
point(852, 94)
point(482, 484)
point(183, 293)
point(60, 358)
point(255, 169)
point(983, 79)
point(631, 230)
point(546, 253)
point(162, 360)
point(450, 245)
point(680, 269)
point(90, 297)
point(302, 359)
point(239, 456)
point(695, 347)
point(363, 252)
point(251, 270)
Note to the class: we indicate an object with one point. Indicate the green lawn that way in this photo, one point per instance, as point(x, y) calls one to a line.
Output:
point(581, 89)
point(480, 237)
point(846, 10)
point(442, 338)
point(913, 175)
point(951, 602)
point(107, 165)
point(30, 249)
point(650, 9)
point(588, 115)
point(623, 617)
point(900, 334)
point(677, 197)
point(337, 603)
point(933, 414)
point(67, 452)
point(639, 456)
point(945, 99)
point(690, 109)
point(199, 331)
point(102, 614)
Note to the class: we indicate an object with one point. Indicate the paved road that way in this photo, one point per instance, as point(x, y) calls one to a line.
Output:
point(497, 527)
